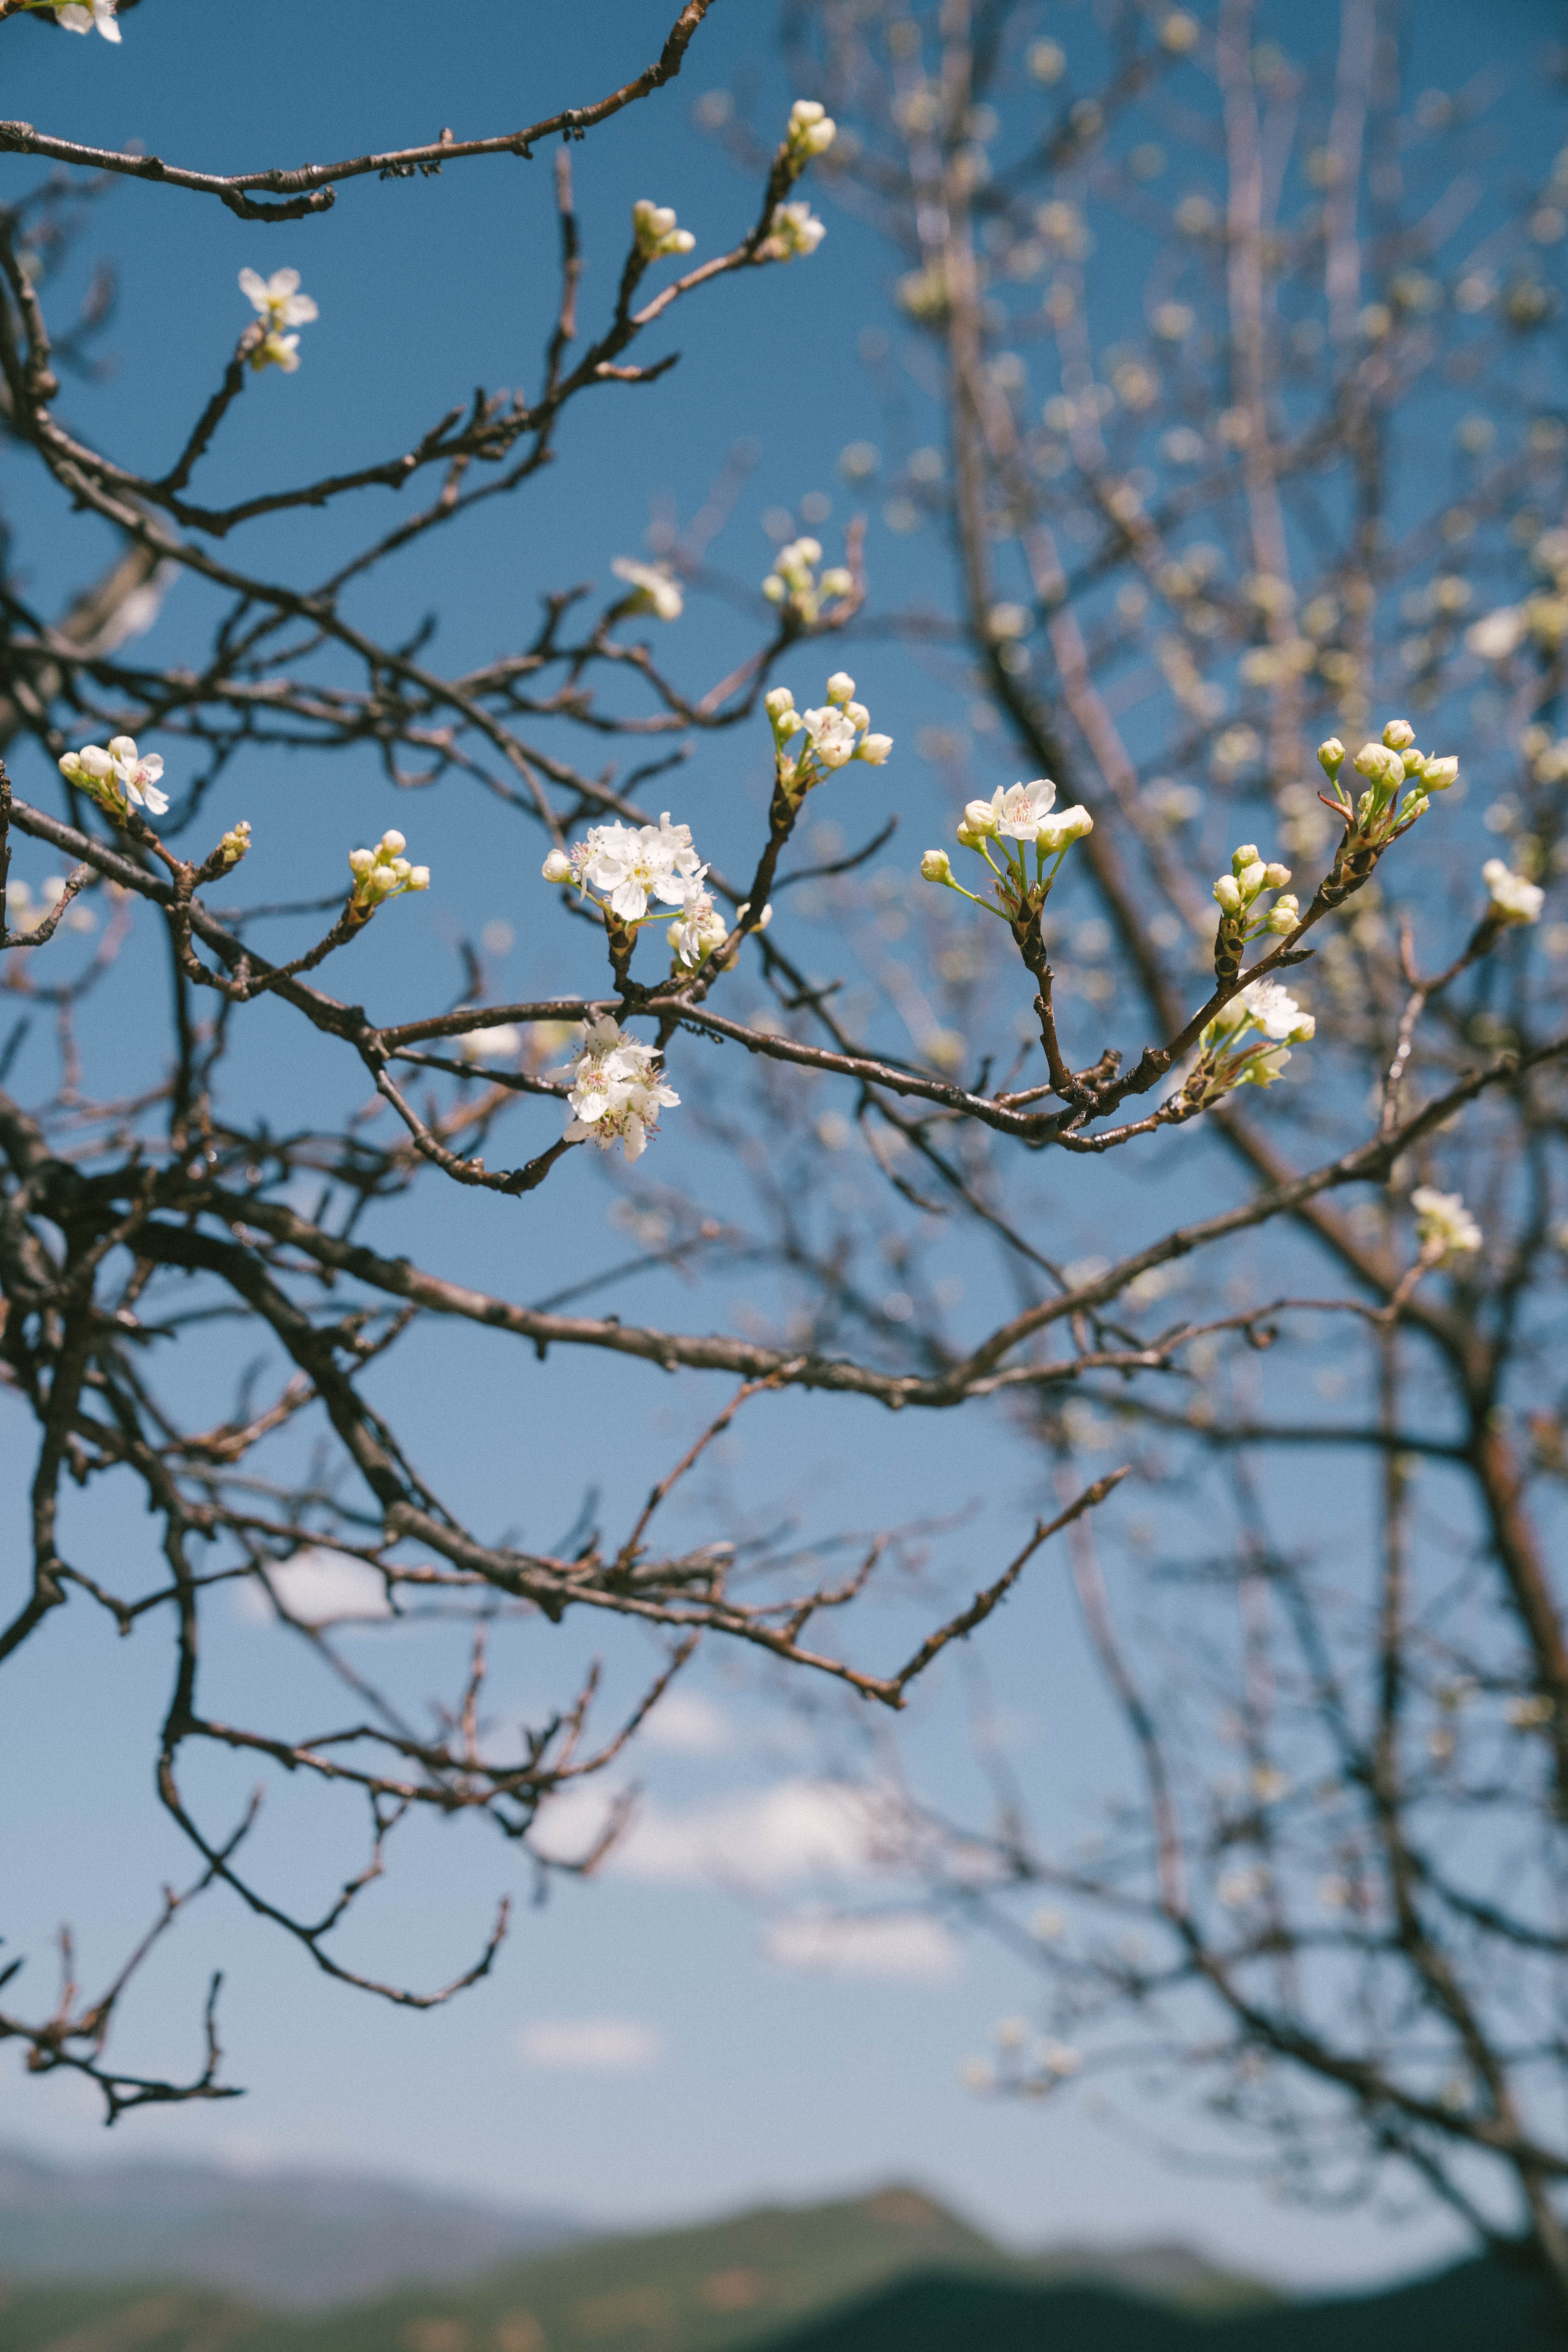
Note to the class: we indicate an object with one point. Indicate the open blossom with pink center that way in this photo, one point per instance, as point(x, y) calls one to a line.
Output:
point(98, 17)
point(118, 778)
point(617, 1090)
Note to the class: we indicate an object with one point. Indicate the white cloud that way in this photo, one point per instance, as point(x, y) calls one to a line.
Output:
point(599, 2045)
point(687, 1724)
point(319, 1586)
point(902, 1945)
point(759, 1837)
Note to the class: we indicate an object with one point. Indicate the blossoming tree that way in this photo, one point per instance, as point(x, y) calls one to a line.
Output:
point(1222, 375)
point(109, 1208)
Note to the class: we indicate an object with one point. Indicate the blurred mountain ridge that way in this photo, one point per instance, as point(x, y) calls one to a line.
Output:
point(893, 2271)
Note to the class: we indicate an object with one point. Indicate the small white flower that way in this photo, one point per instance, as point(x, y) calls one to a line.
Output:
point(793, 229)
point(1275, 1011)
point(655, 590)
point(1445, 1226)
point(99, 17)
point(1514, 899)
point(700, 928)
point(617, 1091)
point(1018, 811)
point(812, 130)
point(277, 298)
point(831, 734)
point(632, 863)
point(118, 778)
point(1496, 635)
point(653, 225)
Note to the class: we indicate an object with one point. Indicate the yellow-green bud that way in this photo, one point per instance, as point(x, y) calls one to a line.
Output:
point(1331, 755)
point(1245, 856)
point(936, 866)
point(1399, 734)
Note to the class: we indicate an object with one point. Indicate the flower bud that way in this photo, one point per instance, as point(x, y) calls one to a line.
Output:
point(557, 866)
point(1412, 759)
point(1416, 804)
point(968, 840)
point(837, 581)
point(1438, 774)
point(1332, 756)
point(1277, 875)
point(857, 714)
point(1399, 734)
point(980, 817)
point(1250, 879)
point(840, 686)
point(875, 749)
point(774, 589)
point(419, 877)
point(235, 842)
point(1244, 856)
point(1283, 916)
point(778, 701)
point(1384, 769)
point(936, 866)
point(392, 844)
point(1228, 895)
point(362, 860)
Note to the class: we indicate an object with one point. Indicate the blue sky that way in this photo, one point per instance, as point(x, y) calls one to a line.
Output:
point(725, 2073)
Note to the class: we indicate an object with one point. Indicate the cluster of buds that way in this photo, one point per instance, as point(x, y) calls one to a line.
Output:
point(235, 842)
point(617, 1090)
point(793, 583)
point(1379, 815)
point(654, 228)
point(1444, 1226)
point(277, 303)
point(793, 229)
point(1016, 819)
point(1514, 899)
point(383, 872)
point(1248, 1044)
point(834, 735)
point(652, 588)
point(811, 131)
point(1240, 917)
point(118, 778)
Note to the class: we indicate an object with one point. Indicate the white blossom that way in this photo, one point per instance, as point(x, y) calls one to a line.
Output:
point(279, 303)
point(832, 735)
point(1496, 635)
point(1017, 811)
point(655, 590)
point(1275, 1011)
point(1445, 1227)
point(793, 229)
point(616, 1092)
point(383, 872)
point(700, 929)
point(98, 17)
point(1514, 899)
point(653, 225)
point(632, 863)
point(812, 130)
point(118, 778)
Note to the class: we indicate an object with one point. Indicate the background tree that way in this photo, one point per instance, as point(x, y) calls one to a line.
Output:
point(1231, 375)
